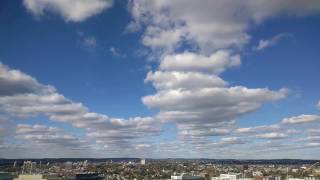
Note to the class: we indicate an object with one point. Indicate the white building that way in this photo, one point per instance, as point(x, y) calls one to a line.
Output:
point(310, 178)
point(271, 178)
point(143, 161)
point(257, 173)
point(187, 177)
point(30, 177)
point(230, 176)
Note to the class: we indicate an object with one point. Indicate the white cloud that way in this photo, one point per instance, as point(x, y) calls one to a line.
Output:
point(258, 129)
point(189, 91)
point(312, 139)
point(230, 141)
point(265, 43)
point(187, 80)
point(116, 52)
point(318, 105)
point(301, 119)
point(5, 129)
point(313, 132)
point(156, 37)
point(15, 82)
point(48, 136)
point(108, 132)
point(238, 99)
point(199, 131)
point(215, 63)
point(70, 10)
point(89, 41)
point(272, 135)
point(28, 98)
point(211, 24)
point(200, 107)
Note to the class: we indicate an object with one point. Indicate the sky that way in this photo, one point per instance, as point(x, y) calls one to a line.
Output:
point(160, 79)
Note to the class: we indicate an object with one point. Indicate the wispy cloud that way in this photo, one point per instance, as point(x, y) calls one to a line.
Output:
point(272, 135)
point(301, 119)
point(116, 52)
point(265, 43)
point(87, 41)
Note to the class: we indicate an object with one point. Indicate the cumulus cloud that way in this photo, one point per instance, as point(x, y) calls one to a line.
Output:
point(299, 131)
point(301, 119)
point(70, 10)
point(189, 90)
point(193, 117)
point(209, 24)
point(186, 80)
point(15, 82)
point(265, 43)
point(191, 94)
point(238, 99)
point(313, 132)
point(23, 96)
point(157, 38)
point(230, 141)
point(43, 135)
point(5, 129)
point(272, 135)
point(257, 129)
point(215, 63)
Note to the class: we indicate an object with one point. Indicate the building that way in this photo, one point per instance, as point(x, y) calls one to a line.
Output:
point(230, 176)
point(51, 177)
point(271, 178)
point(143, 161)
point(89, 176)
point(37, 177)
point(187, 177)
point(316, 171)
point(310, 177)
point(5, 176)
point(257, 173)
point(30, 177)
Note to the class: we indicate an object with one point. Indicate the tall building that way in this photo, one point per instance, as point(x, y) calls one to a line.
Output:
point(187, 177)
point(143, 161)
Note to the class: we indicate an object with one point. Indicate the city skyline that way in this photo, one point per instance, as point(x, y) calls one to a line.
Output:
point(160, 79)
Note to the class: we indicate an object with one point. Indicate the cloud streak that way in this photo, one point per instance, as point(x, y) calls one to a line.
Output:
point(265, 43)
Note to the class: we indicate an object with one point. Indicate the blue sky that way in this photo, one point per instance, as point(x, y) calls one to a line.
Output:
point(101, 57)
